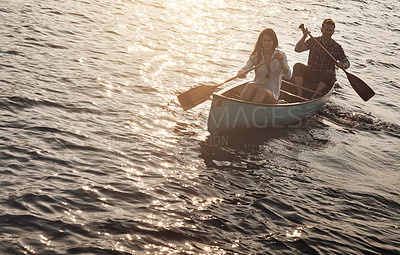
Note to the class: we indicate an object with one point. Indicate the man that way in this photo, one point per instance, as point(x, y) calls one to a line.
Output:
point(321, 68)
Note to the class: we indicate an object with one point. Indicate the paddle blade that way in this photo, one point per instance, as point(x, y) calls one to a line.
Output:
point(195, 96)
point(362, 89)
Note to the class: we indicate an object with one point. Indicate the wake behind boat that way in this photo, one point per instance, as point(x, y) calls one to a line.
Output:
point(229, 113)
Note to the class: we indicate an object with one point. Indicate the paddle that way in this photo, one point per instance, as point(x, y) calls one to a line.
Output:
point(199, 94)
point(362, 89)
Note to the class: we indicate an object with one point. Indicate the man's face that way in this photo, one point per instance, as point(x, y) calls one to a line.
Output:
point(327, 30)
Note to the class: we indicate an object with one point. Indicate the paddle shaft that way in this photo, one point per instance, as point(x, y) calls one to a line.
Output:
point(254, 67)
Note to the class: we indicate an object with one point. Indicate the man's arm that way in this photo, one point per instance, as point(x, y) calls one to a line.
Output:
point(344, 63)
point(300, 46)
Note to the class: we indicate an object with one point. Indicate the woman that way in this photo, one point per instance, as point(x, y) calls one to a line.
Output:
point(265, 88)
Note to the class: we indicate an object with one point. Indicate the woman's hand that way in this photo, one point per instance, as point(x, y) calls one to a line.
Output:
point(279, 56)
point(241, 74)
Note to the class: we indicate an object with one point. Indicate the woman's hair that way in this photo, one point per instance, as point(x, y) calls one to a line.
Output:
point(258, 47)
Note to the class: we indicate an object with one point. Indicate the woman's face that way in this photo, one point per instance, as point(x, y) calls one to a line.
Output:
point(267, 42)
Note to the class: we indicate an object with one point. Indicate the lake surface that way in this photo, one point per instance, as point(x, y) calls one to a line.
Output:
point(97, 156)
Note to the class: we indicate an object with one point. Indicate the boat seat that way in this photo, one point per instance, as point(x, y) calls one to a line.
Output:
point(236, 94)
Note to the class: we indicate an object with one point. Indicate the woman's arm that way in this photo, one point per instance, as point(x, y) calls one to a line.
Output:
point(249, 64)
point(281, 57)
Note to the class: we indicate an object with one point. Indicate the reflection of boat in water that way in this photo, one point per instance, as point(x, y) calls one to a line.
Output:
point(229, 113)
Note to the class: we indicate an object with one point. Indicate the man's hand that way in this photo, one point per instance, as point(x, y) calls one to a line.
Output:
point(342, 65)
point(305, 30)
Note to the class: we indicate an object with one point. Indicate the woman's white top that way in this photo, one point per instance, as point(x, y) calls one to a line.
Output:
point(270, 79)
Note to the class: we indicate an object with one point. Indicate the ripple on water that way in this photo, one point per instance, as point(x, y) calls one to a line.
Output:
point(97, 156)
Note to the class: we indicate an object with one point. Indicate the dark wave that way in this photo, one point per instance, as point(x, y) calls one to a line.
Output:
point(382, 64)
point(358, 120)
point(18, 103)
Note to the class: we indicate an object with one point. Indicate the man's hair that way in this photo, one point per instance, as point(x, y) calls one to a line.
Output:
point(328, 22)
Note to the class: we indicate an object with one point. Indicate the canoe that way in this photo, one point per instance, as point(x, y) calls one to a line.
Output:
point(229, 113)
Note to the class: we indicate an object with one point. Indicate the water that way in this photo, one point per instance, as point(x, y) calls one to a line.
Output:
point(97, 157)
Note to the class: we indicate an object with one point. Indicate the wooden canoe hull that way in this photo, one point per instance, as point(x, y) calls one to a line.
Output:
point(228, 113)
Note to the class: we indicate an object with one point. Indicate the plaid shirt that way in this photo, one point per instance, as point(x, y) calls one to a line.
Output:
point(318, 60)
